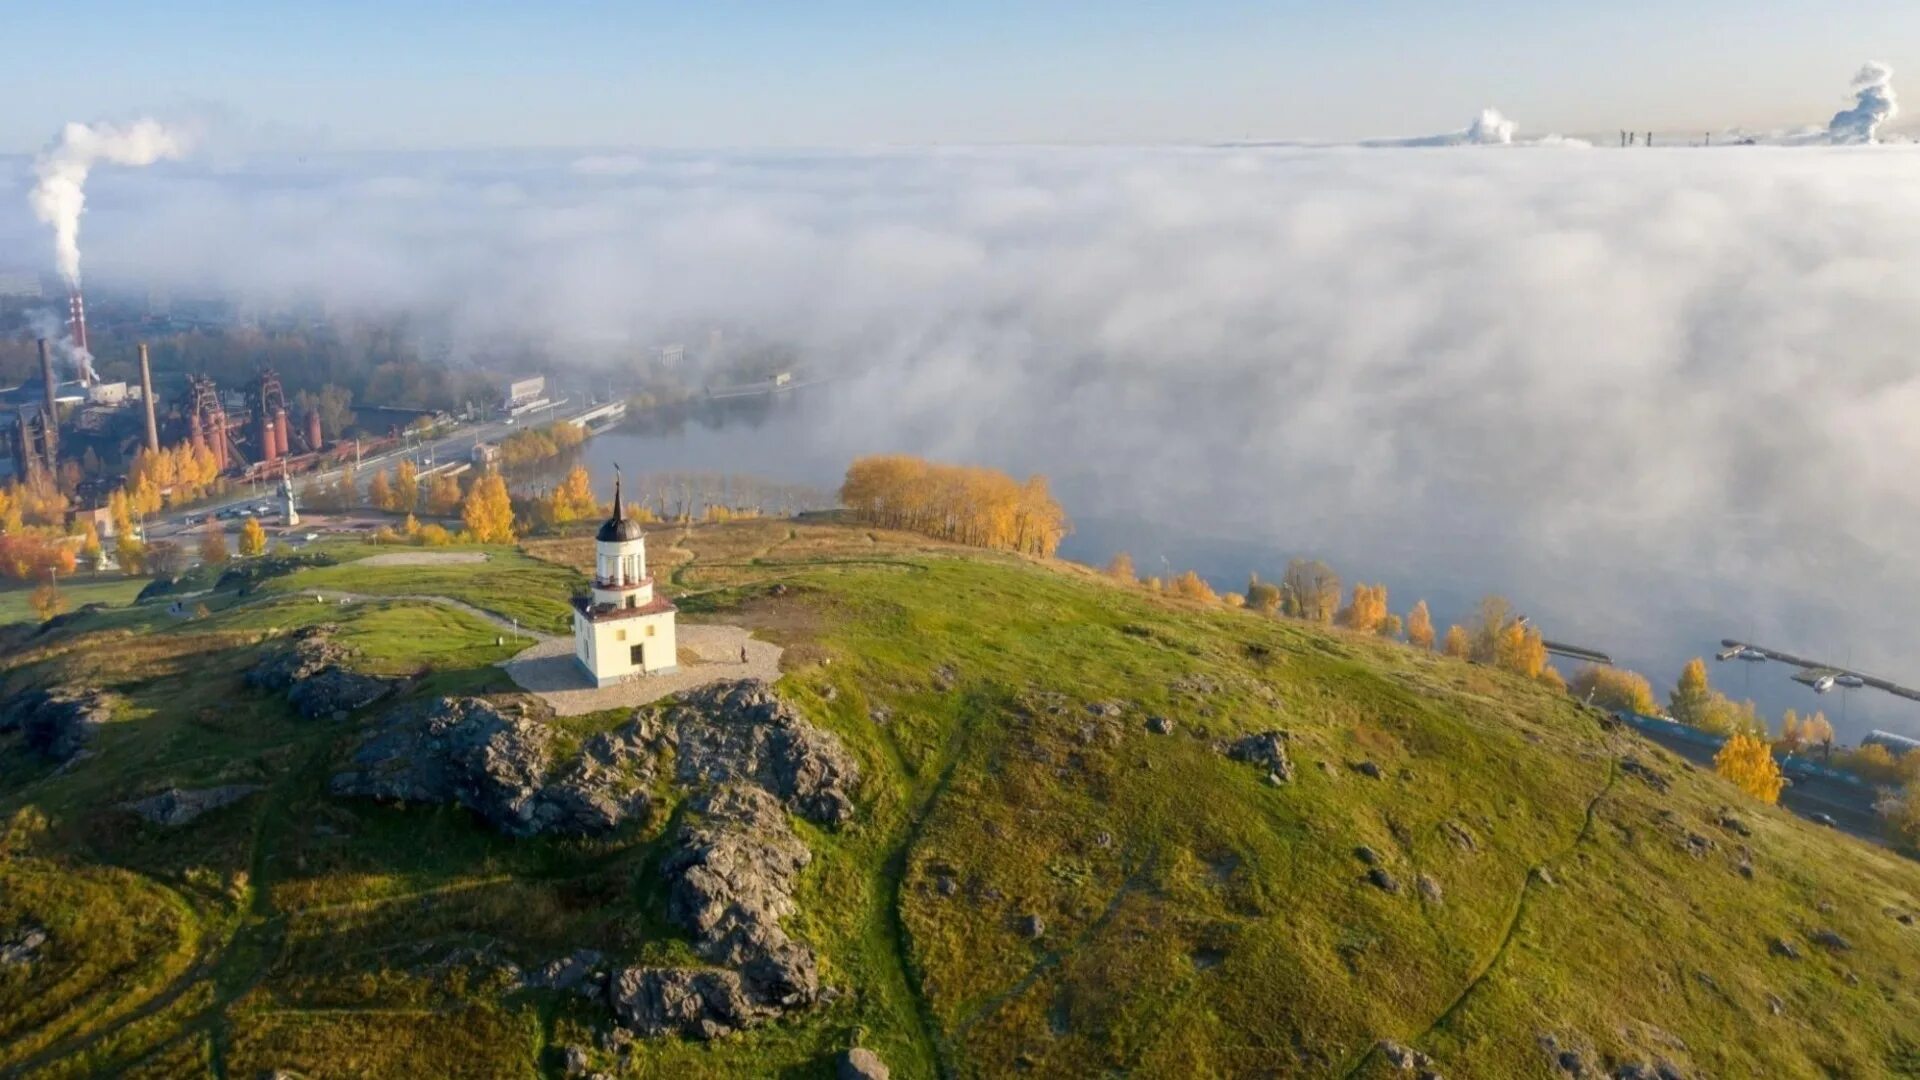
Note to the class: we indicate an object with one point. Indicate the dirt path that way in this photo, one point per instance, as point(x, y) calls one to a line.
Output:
point(1535, 875)
point(482, 614)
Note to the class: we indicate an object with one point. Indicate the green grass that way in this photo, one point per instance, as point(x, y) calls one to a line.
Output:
point(1197, 920)
point(15, 605)
point(508, 584)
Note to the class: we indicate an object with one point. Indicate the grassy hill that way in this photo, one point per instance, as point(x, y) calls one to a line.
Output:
point(1036, 880)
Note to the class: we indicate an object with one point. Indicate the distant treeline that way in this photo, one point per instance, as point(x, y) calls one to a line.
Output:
point(964, 504)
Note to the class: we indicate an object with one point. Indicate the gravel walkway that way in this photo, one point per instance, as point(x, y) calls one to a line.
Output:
point(423, 558)
point(549, 670)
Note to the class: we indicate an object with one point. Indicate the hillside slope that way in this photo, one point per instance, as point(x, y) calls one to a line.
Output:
point(1064, 859)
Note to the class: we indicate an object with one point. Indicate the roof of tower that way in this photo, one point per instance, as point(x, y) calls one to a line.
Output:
point(619, 527)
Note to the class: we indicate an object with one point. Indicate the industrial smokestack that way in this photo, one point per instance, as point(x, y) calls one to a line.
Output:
point(280, 432)
point(53, 411)
point(268, 435)
point(77, 320)
point(313, 430)
point(146, 401)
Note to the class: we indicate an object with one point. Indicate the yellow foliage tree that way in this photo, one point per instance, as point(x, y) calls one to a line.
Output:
point(253, 538)
point(1692, 695)
point(488, 510)
point(130, 553)
point(1191, 586)
point(1614, 689)
point(1459, 644)
point(406, 487)
point(1367, 610)
point(380, 491)
point(967, 505)
point(1420, 626)
point(573, 499)
point(1121, 568)
point(90, 550)
point(1746, 760)
point(1262, 596)
point(1551, 678)
point(47, 601)
point(1521, 650)
point(1391, 626)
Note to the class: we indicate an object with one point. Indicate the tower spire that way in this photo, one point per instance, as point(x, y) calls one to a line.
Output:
point(619, 512)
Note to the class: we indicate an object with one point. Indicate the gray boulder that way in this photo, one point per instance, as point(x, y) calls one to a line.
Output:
point(23, 947)
point(57, 723)
point(312, 670)
point(175, 807)
point(696, 1003)
point(1267, 749)
point(742, 730)
point(503, 768)
point(861, 1063)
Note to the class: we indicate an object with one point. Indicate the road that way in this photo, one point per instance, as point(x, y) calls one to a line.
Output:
point(455, 446)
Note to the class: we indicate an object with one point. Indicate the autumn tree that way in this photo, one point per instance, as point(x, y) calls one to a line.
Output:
point(1724, 716)
point(1746, 760)
point(1692, 694)
point(1191, 586)
point(1459, 644)
point(380, 491)
point(90, 550)
point(130, 553)
point(406, 487)
point(1871, 762)
point(966, 505)
point(1262, 596)
point(1420, 626)
point(1120, 568)
point(213, 544)
point(253, 538)
point(1551, 678)
point(1614, 689)
point(1366, 611)
point(1391, 627)
point(573, 498)
point(1817, 730)
point(1521, 650)
point(488, 510)
point(47, 601)
point(1310, 590)
point(443, 495)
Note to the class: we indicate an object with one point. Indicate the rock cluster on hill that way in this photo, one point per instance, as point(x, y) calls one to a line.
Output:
point(56, 723)
point(312, 670)
point(731, 875)
point(731, 866)
point(1266, 749)
point(503, 768)
point(744, 731)
point(175, 806)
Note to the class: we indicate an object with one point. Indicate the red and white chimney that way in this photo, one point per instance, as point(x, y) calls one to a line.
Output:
point(77, 330)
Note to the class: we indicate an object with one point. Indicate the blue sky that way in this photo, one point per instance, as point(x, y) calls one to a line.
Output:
point(436, 75)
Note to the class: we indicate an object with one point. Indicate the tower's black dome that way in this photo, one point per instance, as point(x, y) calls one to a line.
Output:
point(619, 527)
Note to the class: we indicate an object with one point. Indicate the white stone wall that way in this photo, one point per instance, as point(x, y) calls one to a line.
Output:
point(605, 648)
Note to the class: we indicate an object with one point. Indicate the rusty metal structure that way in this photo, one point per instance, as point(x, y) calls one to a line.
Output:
point(207, 422)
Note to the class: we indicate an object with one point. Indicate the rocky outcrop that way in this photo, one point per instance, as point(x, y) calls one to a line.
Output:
point(56, 723)
point(1267, 750)
point(23, 947)
point(731, 875)
point(175, 807)
point(313, 671)
point(743, 731)
point(503, 768)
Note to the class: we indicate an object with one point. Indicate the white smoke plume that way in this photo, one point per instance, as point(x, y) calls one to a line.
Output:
point(59, 197)
point(1874, 105)
point(1490, 128)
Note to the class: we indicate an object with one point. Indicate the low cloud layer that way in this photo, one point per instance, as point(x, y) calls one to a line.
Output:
point(1656, 397)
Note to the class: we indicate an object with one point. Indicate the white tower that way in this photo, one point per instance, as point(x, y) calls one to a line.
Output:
point(620, 628)
point(287, 512)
